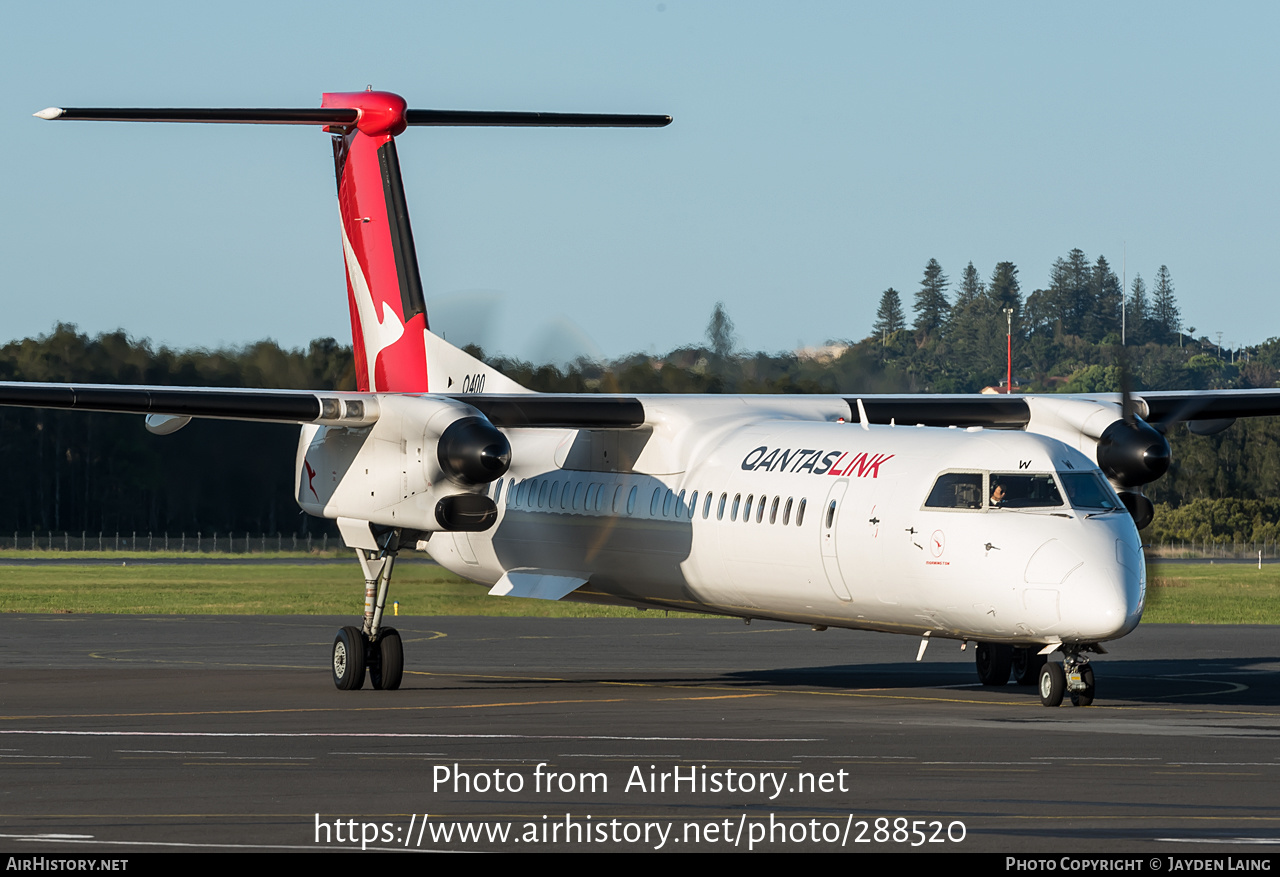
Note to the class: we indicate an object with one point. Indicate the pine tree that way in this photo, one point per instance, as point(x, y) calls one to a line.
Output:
point(1004, 289)
point(1138, 312)
point(1103, 316)
point(889, 317)
point(971, 287)
point(1165, 316)
point(931, 305)
point(720, 332)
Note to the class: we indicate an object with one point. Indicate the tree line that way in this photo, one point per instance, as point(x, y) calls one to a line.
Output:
point(70, 471)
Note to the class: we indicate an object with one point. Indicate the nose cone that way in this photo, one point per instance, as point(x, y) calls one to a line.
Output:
point(1103, 598)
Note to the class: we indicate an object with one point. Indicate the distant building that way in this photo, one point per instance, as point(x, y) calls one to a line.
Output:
point(1001, 389)
point(824, 354)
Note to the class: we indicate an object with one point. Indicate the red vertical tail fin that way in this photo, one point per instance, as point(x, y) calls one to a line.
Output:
point(384, 289)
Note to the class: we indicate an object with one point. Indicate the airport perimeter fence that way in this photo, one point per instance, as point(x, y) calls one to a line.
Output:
point(1208, 548)
point(181, 543)
point(263, 543)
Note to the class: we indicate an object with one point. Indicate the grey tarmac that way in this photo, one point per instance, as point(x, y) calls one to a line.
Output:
point(217, 733)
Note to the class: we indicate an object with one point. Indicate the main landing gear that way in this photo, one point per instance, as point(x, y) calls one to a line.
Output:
point(1073, 677)
point(996, 662)
point(372, 648)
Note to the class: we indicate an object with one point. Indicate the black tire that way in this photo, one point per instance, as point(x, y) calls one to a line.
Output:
point(390, 665)
point(348, 659)
point(1026, 666)
point(993, 663)
point(1085, 697)
point(1053, 682)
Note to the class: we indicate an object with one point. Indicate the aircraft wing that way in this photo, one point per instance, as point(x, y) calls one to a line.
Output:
point(316, 406)
point(591, 411)
point(1014, 412)
point(1182, 405)
point(273, 406)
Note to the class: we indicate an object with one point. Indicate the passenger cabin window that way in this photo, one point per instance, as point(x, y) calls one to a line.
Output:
point(800, 513)
point(786, 513)
point(956, 490)
point(631, 500)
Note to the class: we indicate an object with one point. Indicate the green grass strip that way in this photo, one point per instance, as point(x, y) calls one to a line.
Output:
point(1176, 593)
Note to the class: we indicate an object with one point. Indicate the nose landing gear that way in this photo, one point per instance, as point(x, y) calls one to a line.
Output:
point(1073, 677)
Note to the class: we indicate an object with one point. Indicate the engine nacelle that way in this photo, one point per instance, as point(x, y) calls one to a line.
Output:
point(1131, 454)
point(424, 465)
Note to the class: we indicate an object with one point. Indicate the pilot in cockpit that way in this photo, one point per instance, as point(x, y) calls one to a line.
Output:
point(997, 496)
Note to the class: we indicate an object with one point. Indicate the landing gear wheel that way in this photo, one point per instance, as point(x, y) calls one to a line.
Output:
point(1026, 666)
point(348, 659)
point(387, 671)
point(993, 663)
point(1053, 682)
point(1084, 696)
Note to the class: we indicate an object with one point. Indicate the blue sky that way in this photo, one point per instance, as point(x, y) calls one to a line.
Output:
point(820, 153)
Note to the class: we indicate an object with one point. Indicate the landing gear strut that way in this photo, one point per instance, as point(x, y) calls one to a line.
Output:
point(371, 647)
point(1072, 677)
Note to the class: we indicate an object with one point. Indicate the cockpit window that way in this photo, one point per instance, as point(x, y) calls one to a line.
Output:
point(956, 490)
point(1087, 490)
point(1023, 491)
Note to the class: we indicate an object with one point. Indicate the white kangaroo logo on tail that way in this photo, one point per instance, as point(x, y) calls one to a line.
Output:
point(378, 334)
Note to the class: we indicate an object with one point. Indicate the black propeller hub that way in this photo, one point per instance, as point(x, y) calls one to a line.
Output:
point(473, 451)
point(1132, 452)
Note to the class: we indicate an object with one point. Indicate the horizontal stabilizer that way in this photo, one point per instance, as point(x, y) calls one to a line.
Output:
point(533, 120)
point(343, 117)
point(225, 115)
point(537, 584)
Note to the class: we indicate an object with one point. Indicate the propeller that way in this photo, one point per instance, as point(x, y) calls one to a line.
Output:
point(1132, 452)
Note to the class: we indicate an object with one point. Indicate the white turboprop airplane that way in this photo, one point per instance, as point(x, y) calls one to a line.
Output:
point(991, 519)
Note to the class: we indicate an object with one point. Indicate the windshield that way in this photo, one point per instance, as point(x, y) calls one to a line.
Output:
point(1087, 490)
point(956, 490)
point(1023, 491)
point(979, 491)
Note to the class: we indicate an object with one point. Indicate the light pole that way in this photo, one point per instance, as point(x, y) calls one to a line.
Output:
point(1008, 378)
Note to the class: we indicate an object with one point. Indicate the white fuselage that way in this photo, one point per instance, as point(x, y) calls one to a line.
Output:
point(763, 507)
